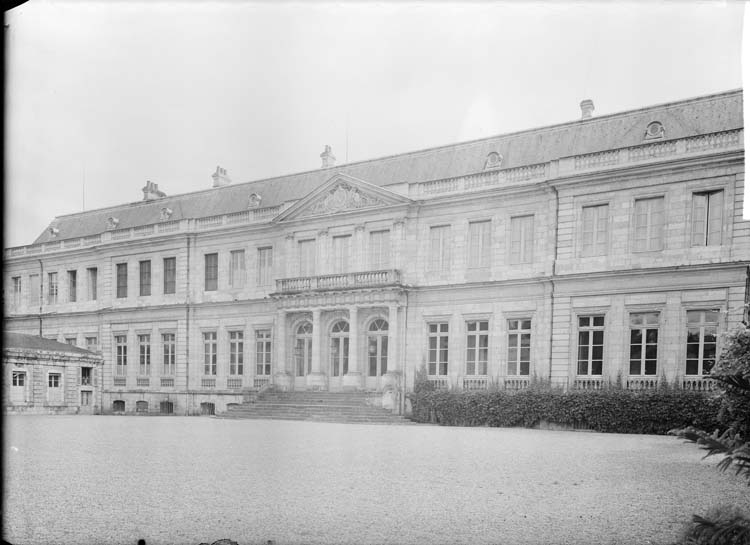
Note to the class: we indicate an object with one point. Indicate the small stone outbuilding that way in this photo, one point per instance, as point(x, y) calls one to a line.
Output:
point(43, 376)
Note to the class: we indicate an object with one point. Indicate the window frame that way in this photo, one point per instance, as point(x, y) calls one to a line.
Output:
point(518, 333)
point(211, 271)
point(168, 353)
point(439, 248)
point(237, 269)
point(121, 355)
point(650, 225)
point(121, 276)
point(473, 353)
point(707, 218)
point(236, 352)
point(702, 370)
point(599, 238)
point(590, 329)
point(92, 278)
point(72, 286)
point(169, 280)
point(53, 288)
point(438, 335)
point(263, 352)
point(144, 354)
point(524, 254)
point(210, 343)
point(479, 255)
point(144, 278)
point(264, 266)
point(379, 254)
point(643, 328)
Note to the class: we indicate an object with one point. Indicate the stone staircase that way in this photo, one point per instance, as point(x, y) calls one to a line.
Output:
point(346, 407)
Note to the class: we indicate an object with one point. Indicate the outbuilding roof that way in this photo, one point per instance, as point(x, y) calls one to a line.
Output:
point(690, 117)
point(34, 342)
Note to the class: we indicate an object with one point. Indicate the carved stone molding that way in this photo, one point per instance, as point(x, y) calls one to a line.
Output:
point(341, 197)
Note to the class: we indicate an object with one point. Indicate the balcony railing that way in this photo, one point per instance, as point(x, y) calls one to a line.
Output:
point(142, 382)
point(516, 383)
point(208, 383)
point(261, 382)
point(120, 381)
point(439, 383)
point(642, 383)
point(700, 384)
point(234, 383)
point(339, 281)
point(475, 383)
point(167, 382)
point(588, 383)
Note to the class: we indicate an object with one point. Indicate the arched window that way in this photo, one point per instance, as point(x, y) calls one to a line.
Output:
point(118, 406)
point(303, 349)
point(141, 406)
point(340, 348)
point(377, 348)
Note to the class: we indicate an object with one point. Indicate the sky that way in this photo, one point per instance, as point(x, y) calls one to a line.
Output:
point(103, 96)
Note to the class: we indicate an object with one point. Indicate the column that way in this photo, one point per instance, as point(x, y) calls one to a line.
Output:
point(316, 380)
point(282, 378)
point(353, 378)
point(391, 378)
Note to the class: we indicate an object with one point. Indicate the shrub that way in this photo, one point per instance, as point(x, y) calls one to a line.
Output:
point(725, 525)
point(608, 410)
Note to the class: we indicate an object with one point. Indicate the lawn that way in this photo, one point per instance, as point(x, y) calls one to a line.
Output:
point(96, 479)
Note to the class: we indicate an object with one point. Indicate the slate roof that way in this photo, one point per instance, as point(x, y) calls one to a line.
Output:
point(34, 342)
point(690, 117)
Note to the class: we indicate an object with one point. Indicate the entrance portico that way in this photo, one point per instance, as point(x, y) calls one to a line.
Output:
point(339, 341)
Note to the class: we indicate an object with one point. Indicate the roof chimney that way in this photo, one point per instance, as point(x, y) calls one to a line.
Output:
point(151, 192)
point(220, 177)
point(587, 108)
point(329, 159)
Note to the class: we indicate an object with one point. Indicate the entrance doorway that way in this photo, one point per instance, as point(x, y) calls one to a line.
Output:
point(377, 352)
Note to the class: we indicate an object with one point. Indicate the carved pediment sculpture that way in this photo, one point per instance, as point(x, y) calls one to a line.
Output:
point(342, 196)
point(254, 200)
point(165, 213)
point(112, 223)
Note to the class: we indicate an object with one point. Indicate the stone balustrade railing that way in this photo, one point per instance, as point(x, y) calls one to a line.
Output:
point(339, 281)
point(470, 182)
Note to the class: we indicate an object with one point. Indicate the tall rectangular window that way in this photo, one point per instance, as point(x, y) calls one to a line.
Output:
point(594, 227)
point(649, 225)
point(168, 353)
point(170, 275)
point(644, 343)
point(306, 252)
point(121, 355)
point(35, 290)
point(52, 288)
point(263, 352)
point(590, 345)
point(702, 329)
point(211, 274)
point(440, 258)
point(437, 349)
point(237, 269)
point(145, 277)
point(92, 273)
point(144, 354)
point(707, 218)
point(209, 353)
point(477, 347)
point(70, 340)
point(236, 352)
point(380, 250)
point(522, 239)
point(122, 280)
point(341, 247)
point(519, 347)
point(479, 244)
point(17, 291)
point(265, 266)
point(72, 286)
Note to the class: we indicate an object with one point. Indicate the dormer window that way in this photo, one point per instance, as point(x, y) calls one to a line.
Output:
point(494, 160)
point(165, 214)
point(654, 130)
point(254, 200)
point(112, 223)
point(54, 231)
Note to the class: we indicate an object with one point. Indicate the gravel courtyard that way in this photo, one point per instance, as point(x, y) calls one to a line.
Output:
point(79, 479)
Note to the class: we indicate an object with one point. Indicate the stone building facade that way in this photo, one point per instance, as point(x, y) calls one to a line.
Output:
point(605, 249)
point(42, 376)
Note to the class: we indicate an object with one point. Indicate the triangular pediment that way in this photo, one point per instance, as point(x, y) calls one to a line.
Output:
point(342, 193)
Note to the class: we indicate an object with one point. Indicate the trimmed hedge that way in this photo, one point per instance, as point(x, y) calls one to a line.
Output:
point(613, 410)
